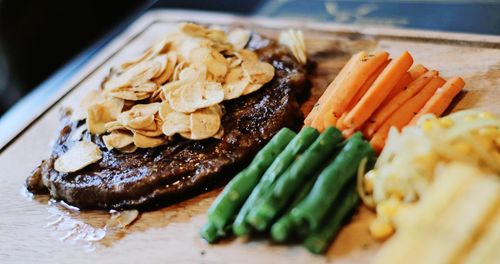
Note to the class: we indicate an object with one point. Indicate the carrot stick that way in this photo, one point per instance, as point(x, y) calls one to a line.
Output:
point(441, 99)
point(337, 103)
point(347, 133)
point(407, 78)
point(417, 70)
point(329, 90)
point(379, 90)
point(340, 122)
point(328, 120)
point(369, 82)
point(387, 108)
point(405, 114)
point(400, 86)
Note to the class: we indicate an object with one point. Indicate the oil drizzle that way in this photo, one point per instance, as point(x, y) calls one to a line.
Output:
point(68, 224)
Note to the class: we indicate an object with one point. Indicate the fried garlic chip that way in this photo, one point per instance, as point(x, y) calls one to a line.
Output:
point(128, 149)
point(219, 133)
point(113, 126)
point(171, 60)
point(117, 139)
point(235, 83)
point(215, 63)
point(195, 30)
point(258, 72)
point(194, 73)
point(175, 122)
point(142, 141)
point(238, 38)
point(101, 113)
point(138, 74)
point(129, 95)
point(205, 123)
point(148, 54)
point(294, 41)
point(80, 155)
point(196, 95)
point(140, 116)
point(89, 99)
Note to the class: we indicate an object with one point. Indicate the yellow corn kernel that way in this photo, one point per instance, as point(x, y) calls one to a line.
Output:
point(486, 115)
point(489, 132)
point(446, 122)
point(368, 181)
point(381, 229)
point(388, 208)
point(462, 148)
point(427, 126)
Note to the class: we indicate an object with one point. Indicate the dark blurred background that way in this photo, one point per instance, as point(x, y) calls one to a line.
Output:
point(38, 38)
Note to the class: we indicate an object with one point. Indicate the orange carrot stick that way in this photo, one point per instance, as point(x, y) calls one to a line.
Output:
point(417, 70)
point(441, 99)
point(347, 133)
point(340, 122)
point(329, 90)
point(405, 114)
point(412, 74)
point(400, 86)
point(337, 103)
point(369, 82)
point(379, 90)
point(387, 108)
point(328, 119)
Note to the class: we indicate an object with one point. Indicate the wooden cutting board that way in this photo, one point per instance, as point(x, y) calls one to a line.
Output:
point(32, 229)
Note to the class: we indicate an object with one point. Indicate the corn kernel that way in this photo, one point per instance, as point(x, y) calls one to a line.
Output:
point(445, 122)
point(427, 126)
point(388, 208)
point(381, 229)
point(486, 115)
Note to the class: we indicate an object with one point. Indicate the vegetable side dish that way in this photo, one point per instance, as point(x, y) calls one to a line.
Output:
point(297, 186)
point(405, 169)
point(373, 93)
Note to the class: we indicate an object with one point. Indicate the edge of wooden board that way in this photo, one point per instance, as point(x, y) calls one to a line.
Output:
point(176, 15)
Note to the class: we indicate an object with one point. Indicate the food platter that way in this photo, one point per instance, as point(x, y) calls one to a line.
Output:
point(31, 230)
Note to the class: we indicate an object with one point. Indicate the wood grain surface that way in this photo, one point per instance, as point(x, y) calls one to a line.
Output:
point(35, 230)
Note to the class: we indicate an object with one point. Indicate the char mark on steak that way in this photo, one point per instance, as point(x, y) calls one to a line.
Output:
point(181, 168)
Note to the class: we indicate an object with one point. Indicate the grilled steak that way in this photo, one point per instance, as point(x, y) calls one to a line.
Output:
point(181, 168)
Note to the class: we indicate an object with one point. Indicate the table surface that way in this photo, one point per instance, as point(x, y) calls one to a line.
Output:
point(482, 16)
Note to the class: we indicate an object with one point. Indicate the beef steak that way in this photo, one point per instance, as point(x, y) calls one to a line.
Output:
point(160, 175)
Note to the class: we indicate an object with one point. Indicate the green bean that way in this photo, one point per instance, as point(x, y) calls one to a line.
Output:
point(319, 240)
point(305, 138)
point(313, 209)
point(282, 229)
point(227, 204)
point(287, 184)
point(209, 232)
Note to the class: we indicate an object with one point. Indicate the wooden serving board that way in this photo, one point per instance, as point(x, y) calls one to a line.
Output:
point(34, 230)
